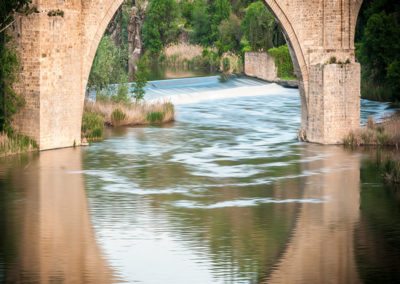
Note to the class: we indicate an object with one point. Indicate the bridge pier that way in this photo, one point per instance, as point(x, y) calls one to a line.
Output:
point(333, 104)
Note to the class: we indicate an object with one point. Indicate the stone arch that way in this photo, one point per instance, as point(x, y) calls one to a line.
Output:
point(105, 10)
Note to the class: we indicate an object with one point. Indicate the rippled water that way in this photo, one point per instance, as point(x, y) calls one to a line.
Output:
point(226, 194)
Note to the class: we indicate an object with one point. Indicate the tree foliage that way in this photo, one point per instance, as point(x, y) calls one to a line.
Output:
point(219, 10)
point(229, 35)
point(201, 23)
point(258, 26)
point(141, 75)
point(109, 66)
point(379, 47)
point(161, 26)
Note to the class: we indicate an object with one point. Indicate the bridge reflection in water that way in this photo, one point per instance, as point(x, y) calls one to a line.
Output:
point(49, 227)
point(53, 237)
point(321, 248)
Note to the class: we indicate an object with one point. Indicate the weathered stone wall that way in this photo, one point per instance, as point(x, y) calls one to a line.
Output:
point(57, 54)
point(260, 65)
point(334, 102)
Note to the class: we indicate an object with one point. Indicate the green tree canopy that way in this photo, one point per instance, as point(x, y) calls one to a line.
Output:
point(160, 27)
point(201, 22)
point(258, 26)
point(229, 34)
point(379, 47)
point(108, 65)
point(219, 10)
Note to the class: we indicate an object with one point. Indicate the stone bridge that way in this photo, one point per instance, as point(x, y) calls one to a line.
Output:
point(58, 45)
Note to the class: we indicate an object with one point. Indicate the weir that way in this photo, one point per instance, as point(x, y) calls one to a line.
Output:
point(57, 53)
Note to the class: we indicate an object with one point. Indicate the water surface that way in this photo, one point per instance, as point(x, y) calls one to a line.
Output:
point(226, 194)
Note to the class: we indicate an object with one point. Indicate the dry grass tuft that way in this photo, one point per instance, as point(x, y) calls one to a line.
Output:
point(386, 133)
point(183, 51)
point(130, 114)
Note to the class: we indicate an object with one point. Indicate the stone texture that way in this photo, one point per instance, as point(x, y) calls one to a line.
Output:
point(57, 55)
point(260, 65)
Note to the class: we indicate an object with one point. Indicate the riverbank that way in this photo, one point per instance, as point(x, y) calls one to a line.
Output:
point(99, 114)
point(385, 133)
point(16, 144)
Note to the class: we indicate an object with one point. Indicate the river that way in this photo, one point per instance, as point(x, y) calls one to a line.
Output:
point(226, 194)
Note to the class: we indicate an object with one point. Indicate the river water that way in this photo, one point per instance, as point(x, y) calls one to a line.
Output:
point(226, 194)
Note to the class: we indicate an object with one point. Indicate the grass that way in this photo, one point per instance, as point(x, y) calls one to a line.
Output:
point(386, 133)
point(98, 114)
point(155, 117)
point(92, 126)
point(117, 116)
point(181, 52)
point(15, 144)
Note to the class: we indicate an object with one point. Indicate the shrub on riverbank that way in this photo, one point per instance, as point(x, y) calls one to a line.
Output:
point(15, 144)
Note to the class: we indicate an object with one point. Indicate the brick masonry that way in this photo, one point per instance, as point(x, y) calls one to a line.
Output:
point(57, 53)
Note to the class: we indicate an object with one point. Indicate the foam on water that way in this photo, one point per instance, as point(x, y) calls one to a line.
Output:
point(244, 202)
point(235, 92)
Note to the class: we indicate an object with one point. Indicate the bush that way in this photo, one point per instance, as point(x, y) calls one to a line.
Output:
point(155, 117)
point(92, 126)
point(283, 61)
point(117, 116)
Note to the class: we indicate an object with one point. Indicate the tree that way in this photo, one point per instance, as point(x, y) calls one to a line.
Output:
point(109, 65)
point(219, 10)
point(229, 35)
point(142, 74)
point(258, 26)
point(186, 8)
point(160, 27)
point(201, 22)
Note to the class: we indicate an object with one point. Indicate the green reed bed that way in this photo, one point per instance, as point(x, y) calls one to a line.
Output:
point(15, 143)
